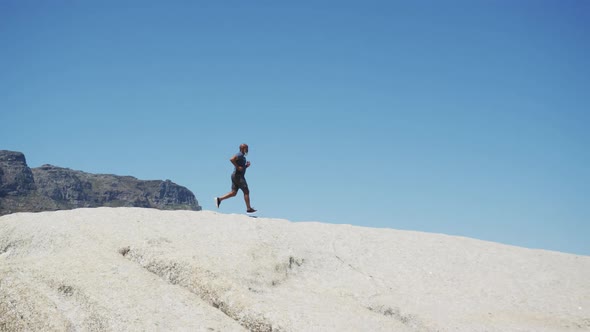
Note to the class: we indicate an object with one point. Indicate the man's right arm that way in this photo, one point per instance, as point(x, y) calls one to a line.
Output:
point(234, 161)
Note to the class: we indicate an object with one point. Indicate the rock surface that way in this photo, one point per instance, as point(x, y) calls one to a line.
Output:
point(16, 177)
point(49, 188)
point(132, 269)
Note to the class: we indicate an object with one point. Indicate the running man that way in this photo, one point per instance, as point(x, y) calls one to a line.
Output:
point(238, 180)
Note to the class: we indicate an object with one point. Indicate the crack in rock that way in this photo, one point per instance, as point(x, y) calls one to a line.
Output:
point(285, 269)
point(395, 313)
point(211, 288)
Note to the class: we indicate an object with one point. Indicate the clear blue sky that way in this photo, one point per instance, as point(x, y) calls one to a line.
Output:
point(467, 118)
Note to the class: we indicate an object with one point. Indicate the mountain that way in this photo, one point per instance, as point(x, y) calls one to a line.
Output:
point(132, 269)
point(50, 188)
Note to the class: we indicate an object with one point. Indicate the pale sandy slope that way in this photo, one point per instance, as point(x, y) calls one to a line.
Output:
point(130, 269)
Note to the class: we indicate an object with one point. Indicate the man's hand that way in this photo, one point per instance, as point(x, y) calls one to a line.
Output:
point(247, 164)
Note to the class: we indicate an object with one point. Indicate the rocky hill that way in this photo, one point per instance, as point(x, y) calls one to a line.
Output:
point(131, 269)
point(49, 188)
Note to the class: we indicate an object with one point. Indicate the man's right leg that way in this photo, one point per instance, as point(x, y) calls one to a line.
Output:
point(224, 197)
point(228, 195)
point(232, 193)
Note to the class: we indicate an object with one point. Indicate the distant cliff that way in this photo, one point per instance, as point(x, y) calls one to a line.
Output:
point(49, 188)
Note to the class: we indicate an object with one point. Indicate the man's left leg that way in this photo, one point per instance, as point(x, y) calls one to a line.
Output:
point(246, 191)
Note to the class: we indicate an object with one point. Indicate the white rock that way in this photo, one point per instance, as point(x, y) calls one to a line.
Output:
point(127, 269)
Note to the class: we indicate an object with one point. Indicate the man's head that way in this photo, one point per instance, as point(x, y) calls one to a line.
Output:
point(244, 148)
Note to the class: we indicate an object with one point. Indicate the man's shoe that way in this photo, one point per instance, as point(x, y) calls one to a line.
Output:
point(251, 211)
point(217, 201)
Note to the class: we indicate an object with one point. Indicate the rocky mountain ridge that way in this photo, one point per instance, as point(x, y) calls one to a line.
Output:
point(49, 188)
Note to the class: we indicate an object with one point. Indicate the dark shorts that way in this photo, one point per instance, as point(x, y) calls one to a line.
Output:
point(239, 182)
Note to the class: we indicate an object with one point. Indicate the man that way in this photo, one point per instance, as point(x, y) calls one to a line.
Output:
point(237, 178)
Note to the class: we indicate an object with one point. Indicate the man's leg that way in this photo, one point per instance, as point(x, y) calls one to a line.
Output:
point(232, 193)
point(247, 200)
point(244, 186)
point(228, 195)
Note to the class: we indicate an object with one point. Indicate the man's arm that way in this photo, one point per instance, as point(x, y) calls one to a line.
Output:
point(234, 160)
